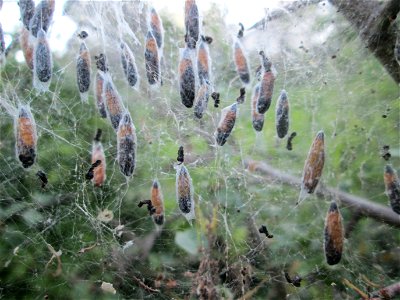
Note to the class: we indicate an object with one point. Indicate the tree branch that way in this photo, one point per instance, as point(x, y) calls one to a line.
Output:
point(374, 21)
point(389, 292)
point(357, 204)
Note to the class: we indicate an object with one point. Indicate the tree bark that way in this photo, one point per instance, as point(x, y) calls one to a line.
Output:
point(374, 21)
point(357, 204)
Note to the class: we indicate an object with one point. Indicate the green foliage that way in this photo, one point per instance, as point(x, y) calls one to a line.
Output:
point(345, 96)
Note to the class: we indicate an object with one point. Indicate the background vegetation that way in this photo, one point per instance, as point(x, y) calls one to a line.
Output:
point(333, 84)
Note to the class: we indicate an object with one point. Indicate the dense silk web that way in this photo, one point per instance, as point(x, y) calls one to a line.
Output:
point(71, 233)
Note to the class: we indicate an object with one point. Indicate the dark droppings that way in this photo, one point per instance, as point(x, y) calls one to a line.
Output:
point(180, 157)
point(289, 144)
point(215, 97)
point(296, 280)
point(150, 207)
point(90, 173)
point(242, 96)
point(263, 229)
point(43, 178)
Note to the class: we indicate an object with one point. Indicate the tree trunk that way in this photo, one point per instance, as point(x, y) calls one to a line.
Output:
point(374, 21)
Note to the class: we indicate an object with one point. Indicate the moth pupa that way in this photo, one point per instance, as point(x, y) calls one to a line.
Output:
point(201, 100)
point(156, 27)
point(27, 46)
point(126, 144)
point(113, 102)
point(26, 137)
point(392, 188)
point(184, 192)
point(99, 173)
point(129, 64)
point(257, 118)
point(241, 62)
point(42, 17)
point(192, 24)
point(2, 47)
point(187, 83)
point(27, 10)
point(267, 85)
point(157, 201)
point(42, 63)
point(204, 60)
point(83, 68)
point(226, 123)
point(99, 84)
point(282, 115)
point(313, 166)
point(152, 59)
point(333, 235)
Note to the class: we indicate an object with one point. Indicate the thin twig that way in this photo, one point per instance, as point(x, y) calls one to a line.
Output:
point(389, 292)
point(356, 289)
point(144, 286)
point(357, 204)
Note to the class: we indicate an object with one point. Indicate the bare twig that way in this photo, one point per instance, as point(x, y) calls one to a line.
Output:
point(357, 204)
point(356, 289)
point(84, 250)
point(144, 286)
point(389, 292)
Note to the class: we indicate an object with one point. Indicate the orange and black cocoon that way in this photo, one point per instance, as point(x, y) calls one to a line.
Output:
point(157, 201)
point(187, 85)
point(257, 118)
point(99, 173)
point(126, 144)
point(27, 46)
point(282, 115)
point(314, 164)
point(156, 27)
point(128, 64)
point(152, 59)
point(27, 10)
point(114, 106)
point(42, 16)
point(266, 87)
point(333, 235)
point(225, 126)
point(98, 92)
point(192, 24)
point(26, 138)
point(203, 60)
point(201, 101)
point(42, 58)
point(392, 188)
point(184, 190)
point(83, 68)
point(241, 62)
